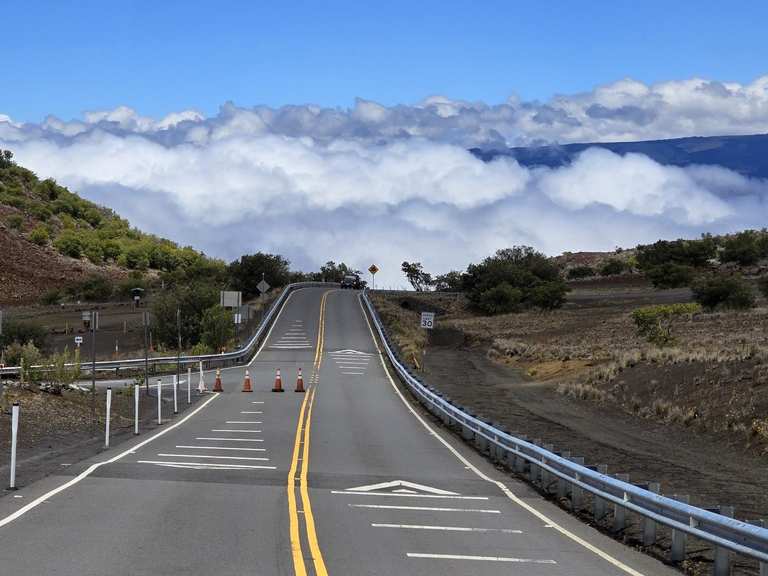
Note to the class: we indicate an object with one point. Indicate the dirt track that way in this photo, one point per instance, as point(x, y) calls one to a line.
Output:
point(712, 468)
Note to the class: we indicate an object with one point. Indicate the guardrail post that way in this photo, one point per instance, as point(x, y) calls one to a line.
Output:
point(519, 460)
point(677, 553)
point(649, 525)
point(576, 491)
point(533, 471)
point(598, 504)
point(545, 477)
point(722, 565)
point(466, 432)
point(619, 512)
point(562, 484)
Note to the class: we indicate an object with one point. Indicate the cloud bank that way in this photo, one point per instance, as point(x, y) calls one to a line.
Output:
point(387, 184)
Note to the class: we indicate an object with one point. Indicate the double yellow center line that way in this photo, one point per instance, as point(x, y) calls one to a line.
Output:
point(301, 452)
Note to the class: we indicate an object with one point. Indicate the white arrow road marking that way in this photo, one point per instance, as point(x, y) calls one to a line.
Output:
point(482, 558)
point(401, 495)
point(212, 457)
point(447, 528)
point(405, 484)
point(230, 439)
point(424, 508)
point(210, 465)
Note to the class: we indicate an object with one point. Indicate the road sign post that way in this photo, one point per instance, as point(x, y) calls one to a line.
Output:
point(428, 320)
point(373, 269)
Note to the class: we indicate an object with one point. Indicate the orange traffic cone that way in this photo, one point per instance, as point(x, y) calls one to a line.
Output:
point(278, 382)
point(217, 385)
point(299, 382)
point(247, 382)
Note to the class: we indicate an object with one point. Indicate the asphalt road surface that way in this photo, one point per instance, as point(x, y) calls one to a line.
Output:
point(345, 479)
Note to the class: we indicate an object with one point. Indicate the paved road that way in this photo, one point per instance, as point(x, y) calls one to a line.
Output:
point(345, 479)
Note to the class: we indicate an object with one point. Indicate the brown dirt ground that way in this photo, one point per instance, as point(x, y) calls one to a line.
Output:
point(55, 431)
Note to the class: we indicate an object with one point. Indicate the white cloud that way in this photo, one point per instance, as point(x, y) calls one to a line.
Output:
point(388, 184)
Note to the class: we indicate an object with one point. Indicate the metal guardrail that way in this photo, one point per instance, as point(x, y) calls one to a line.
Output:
point(572, 478)
point(228, 357)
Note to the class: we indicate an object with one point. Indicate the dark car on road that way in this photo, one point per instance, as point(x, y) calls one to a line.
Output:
point(352, 282)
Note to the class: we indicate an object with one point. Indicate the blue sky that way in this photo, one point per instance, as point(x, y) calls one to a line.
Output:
point(64, 58)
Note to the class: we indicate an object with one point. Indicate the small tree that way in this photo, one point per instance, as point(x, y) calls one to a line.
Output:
point(578, 272)
point(501, 299)
point(40, 235)
point(763, 285)
point(612, 267)
point(419, 279)
point(670, 275)
point(61, 376)
point(655, 323)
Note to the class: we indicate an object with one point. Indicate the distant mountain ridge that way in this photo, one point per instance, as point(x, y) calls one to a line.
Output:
point(747, 155)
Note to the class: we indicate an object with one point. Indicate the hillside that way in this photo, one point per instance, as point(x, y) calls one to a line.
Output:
point(51, 239)
point(743, 154)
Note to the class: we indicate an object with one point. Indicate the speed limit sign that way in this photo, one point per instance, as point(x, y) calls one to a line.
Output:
point(428, 320)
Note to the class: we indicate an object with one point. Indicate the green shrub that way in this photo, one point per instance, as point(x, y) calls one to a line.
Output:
point(694, 253)
point(763, 285)
point(22, 332)
point(70, 243)
point(51, 297)
point(501, 299)
point(612, 267)
point(548, 295)
point(723, 291)
point(93, 251)
point(93, 289)
point(40, 235)
point(15, 221)
point(671, 275)
point(578, 272)
point(217, 327)
point(743, 248)
point(655, 323)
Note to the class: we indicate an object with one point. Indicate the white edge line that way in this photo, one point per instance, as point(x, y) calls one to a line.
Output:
point(88, 471)
point(503, 487)
point(269, 332)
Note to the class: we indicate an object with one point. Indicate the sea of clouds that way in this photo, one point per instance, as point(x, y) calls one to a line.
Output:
point(387, 184)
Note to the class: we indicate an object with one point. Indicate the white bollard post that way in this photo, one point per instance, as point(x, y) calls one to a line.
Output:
point(159, 400)
point(136, 409)
point(175, 395)
point(14, 436)
point(106, 417)
point(189, 385)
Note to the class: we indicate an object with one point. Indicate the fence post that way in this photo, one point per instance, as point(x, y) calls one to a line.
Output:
point(175, 394)
point(649, 525)
point(159, 400)
point(106, 417)
point(723, 555)
point(598, 504)
point(14, 437)
point(189, 385)
point(136, 409)
point(619, 512)
point(678, 537)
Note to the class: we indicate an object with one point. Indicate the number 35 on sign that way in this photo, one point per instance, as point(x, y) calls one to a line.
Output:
point(428, 320)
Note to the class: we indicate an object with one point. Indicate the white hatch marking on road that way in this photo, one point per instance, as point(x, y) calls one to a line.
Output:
point(447, 528)
point(208, 456)
point(227, 430)
point(479, 558)
point(349, 493)
point(289, 347)
point(258, 402)
point(424, 508)
point(405, 484)
point(251, 412)
point(230, 439)
point(354, 373)
point(210, 465)
point(242, 422)
point(190, 447)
